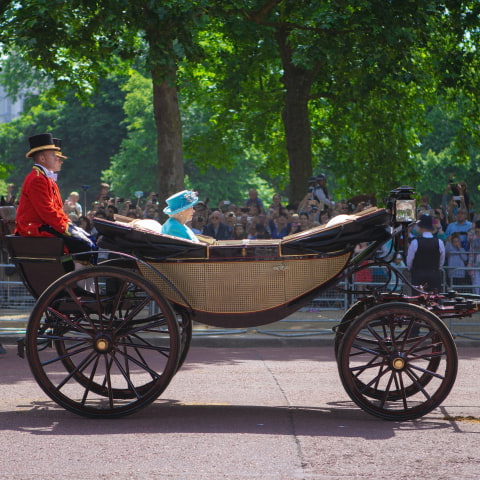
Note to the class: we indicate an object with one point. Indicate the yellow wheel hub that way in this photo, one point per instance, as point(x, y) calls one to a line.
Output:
point(398, 363)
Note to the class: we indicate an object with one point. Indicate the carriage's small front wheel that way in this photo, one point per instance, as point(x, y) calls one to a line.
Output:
point(103, 342)
point(397, 361)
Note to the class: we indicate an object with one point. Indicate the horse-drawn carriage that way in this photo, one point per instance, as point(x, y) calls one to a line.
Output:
point(105, 341)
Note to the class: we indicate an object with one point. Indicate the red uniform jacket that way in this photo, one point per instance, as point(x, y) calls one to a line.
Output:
point(40, 204)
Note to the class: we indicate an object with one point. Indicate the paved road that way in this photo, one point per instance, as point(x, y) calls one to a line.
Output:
point(238, 414)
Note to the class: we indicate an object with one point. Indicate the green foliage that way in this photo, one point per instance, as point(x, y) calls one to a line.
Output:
point(4, 171)
point(90, 134)
point(372, 73)
point(17, 77)
point(215, 167)
point(79, 42)
point(134, 167)
point(440, 155)
point(376, 71)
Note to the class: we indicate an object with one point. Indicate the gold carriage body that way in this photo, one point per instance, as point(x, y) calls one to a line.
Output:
point(246, 282)
point(249, 287)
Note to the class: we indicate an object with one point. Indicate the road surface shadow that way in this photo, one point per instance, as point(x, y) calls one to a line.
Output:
point(340, 419)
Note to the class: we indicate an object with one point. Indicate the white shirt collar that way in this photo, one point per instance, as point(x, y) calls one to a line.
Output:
point(48, 173)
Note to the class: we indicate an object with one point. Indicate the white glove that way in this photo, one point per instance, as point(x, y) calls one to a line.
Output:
point(80, 234)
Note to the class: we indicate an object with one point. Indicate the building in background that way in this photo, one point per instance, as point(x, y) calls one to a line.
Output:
point(9, 109)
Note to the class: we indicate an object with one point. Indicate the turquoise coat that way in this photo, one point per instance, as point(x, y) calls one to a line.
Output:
point(173, 227)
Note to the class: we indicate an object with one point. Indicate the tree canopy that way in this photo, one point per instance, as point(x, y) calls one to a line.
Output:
point(293, 87)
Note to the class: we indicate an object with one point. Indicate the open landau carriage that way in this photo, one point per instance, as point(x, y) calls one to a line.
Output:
point(106, 341)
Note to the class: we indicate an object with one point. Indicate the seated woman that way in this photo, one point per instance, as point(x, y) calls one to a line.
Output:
point(180, 210)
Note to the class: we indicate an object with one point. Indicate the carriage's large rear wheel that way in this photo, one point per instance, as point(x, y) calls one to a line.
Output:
point(397, 361)
point(105, 352)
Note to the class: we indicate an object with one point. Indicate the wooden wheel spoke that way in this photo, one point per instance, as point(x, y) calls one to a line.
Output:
point(64, 318)
point(81, 366)
point(90, 381)
point(426, 372)
point(108, 379)
point(119, 297)
point(66, 355)
point(387, 389)
point(147, 346)
point(47, 336)
point(127, 366)
point(401, 388)
point(415, 379)
point(127, 378)
point(373, 380)
point(131, 315)
point(379, 376)
point(380, 340)
point(142, 365)
point(391, 327)
point(137, 351)
point(421, 340)
point(79, 304)
point(366, 366)
point(431, 346)
point(145, 327)
point(362, 349)
point(427, 356)
point(104, 383)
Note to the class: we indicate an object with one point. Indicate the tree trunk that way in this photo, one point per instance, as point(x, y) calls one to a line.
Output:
point(160, 38)
point(169, 137)
point(296, 121)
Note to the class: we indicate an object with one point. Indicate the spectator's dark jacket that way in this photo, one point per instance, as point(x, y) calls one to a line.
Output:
point(282, 233)
point(223, 232)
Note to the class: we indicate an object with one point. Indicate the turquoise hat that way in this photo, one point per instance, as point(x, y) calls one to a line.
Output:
point(180, 201)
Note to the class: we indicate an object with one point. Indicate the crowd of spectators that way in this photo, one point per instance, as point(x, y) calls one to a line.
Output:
point(252, 219)
point(455, 220)
point(457, 224)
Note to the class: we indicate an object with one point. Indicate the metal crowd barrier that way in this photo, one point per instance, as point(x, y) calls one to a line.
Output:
point(317, 318)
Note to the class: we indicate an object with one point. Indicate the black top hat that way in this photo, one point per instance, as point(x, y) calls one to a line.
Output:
point(425, 222)
point(58, 143)
point(43, 141)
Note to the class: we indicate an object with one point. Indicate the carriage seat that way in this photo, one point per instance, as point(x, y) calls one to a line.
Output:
point(141, 224)
point(40, 260)
point(342, 233)
point(132, 236)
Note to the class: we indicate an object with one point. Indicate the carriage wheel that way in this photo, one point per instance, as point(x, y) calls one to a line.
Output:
point(118, 342)
point(375, 392)
point(397, 361)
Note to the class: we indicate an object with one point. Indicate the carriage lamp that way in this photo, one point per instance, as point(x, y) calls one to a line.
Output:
point(402, 205)
point(405, 211)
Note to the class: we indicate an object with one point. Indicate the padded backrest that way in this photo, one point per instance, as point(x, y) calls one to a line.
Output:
point(41, 260)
